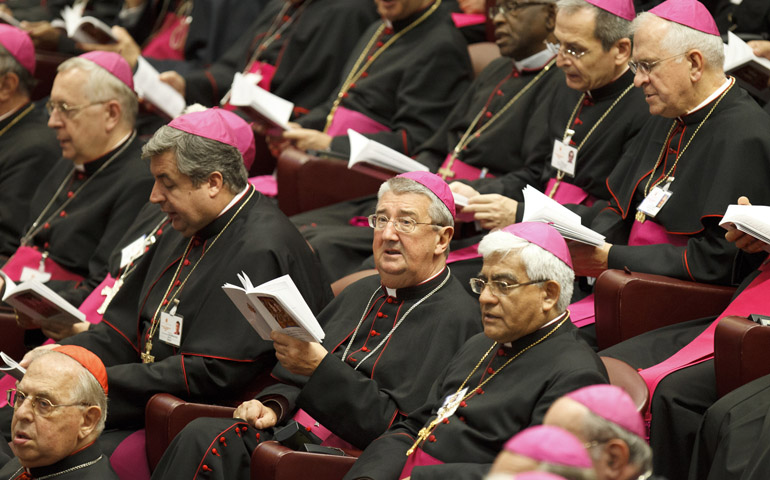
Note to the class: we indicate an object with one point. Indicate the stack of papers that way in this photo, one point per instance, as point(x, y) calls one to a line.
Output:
point(364, 150)
point(162, 95)
point(259, 103)
point(540, 208)
point(751, 219)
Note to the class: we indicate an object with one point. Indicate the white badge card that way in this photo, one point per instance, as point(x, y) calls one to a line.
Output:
point(564, 157)
point(171, 328)
point(654, 201)
point(133, 251)
point(451, 403)
point(34, 274)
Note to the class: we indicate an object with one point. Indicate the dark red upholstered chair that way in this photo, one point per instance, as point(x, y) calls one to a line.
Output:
point(11, 336)
point(631, 303)
point(45, 71)
point(273, 461)
point(626, 377)
point(741, 353)
point(343, 282)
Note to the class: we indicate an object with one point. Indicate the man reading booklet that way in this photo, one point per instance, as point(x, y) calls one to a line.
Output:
point(387, 338)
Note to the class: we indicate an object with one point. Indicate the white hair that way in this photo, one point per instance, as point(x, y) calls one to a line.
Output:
point(539, 263)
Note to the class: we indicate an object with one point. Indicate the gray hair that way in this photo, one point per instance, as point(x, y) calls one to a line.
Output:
point(87, 390)
point(680, 38)
point(567, 471)
point(608, 29)
point(438, 212)
point(600, 430)
point(540, 264)
point(102, 86)
point(9, 64)
point(198, 157)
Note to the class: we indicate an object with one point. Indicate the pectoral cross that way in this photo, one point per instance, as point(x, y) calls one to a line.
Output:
point(640, 216)
point(109, 294)
point(446, 173)
point(146, 357)
point(423, 434)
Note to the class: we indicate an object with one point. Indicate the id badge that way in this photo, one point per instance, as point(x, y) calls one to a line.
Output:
point(654, 201)
point(171, 328)
point(564, 157)
point(451, 402)
point(34, 274)
point(133, 251)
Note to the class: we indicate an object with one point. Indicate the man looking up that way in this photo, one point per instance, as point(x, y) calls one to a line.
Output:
point(387, 337)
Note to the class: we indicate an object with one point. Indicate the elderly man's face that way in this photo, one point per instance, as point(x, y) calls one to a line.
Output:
point(667, 88)
point(188, 207)
point(520, 32)
point(521, 311)
point(595, 67)
point(398, 9)
point(77, 129)
point(406, 259)
point(40, 441)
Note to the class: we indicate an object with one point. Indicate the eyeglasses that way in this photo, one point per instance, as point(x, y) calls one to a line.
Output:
point(497, 287)
point(401, 224)
point(41, 406)
point(507, 8)
point(67, 111)
point(645, 68)
point(556, 49)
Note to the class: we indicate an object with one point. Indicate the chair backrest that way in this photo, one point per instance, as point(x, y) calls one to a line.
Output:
point(740, 353)
point(481, 55)
point(341, 284)
point(626, 377)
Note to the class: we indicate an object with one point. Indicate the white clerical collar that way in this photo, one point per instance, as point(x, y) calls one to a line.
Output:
point(719, 91)
point(536, 61)
point(235, 199)
point(509, 344)
point(392, 291)
point(9, 113)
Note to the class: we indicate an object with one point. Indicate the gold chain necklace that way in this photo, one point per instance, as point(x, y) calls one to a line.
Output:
point(17, 119)
point(358, 69)
point(641, 217)
point(146, 356)
point(560, 174)
point(447, 172)
point(426, 431)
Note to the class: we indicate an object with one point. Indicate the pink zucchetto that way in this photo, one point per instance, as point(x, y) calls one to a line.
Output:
point(544, 236)
point(689, 13)
point(619, 8)
point(611, 403)
point(435, 184)
point(113, 63)
point(546, 443)
point(222, 126)
point(19, 45)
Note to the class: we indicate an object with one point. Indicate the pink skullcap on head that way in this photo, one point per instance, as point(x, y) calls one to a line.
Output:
point(435, 184)
point(19, 45)
point(222, 126)
point(546, 443)
point(537, 476)
point(619, 8)
point(611, 403)
point(89, 360)
point(544, 236)
point(113, 63)
point(689, 13)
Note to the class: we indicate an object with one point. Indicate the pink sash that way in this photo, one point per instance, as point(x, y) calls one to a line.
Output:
point(169, 42)
point(753, 299)
point(464, 254)
point(345, 118)
point(569, 193)
point(129, 460)
point(266, 185)
point(418, 459)
point(30, 257)
point(95, 299)
point(461, 170)
point(329, 439)
point(467, 19)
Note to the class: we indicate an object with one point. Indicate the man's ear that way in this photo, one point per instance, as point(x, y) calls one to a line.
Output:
point(113, 114)
point(697, 65)
point(617, 455)
point(91, 417)
point(444, 237)
point(624, 51)
point(551, 291)
point(215, 183)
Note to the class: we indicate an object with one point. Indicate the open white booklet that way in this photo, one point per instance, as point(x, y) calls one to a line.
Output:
point(162, 95)
point(260, 104)
point(83, 29)
point(751, 219)
point(11, 367)
point(44, 306)
point(364, 150)
point(752, 72)
point(276, 305)
point(540, 208)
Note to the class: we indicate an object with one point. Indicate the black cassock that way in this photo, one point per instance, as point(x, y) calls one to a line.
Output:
point(220, 354)
point(308, 54)
point(359, 404)
point(514, 399)
point(27, 148)
point(409, 88)
point(87, 464)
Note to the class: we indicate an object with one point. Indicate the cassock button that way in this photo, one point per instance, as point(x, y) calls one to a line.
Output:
point(62, 213)
point(46, 245)
point(587, 102)
point(380, 314)
point(70, 194)
point(463, 404)
point(186, 262)
point(515, 74)
point(578, 121)
point(462, 419)
point(368, 58)
point(388, 31)
point(446, 420)
point(345, 95)
point(165, 302)
point(223, 441)
point(364, 349)
point(214, 451)
point(46, 225)
point(490, 370)
point(373, 333)
point(379, 44)
point(176, 284)
point(352, 85)
point(389, 300)
point(159, 232)
point(286, 18)
point(257, 436)
point(500, 352)
point(432, 438)
point(477, 135)
point(480, 391)
point(488, 114)
point(146, 249)
point(499, 92)
point(206, 468)
point(364, 74)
